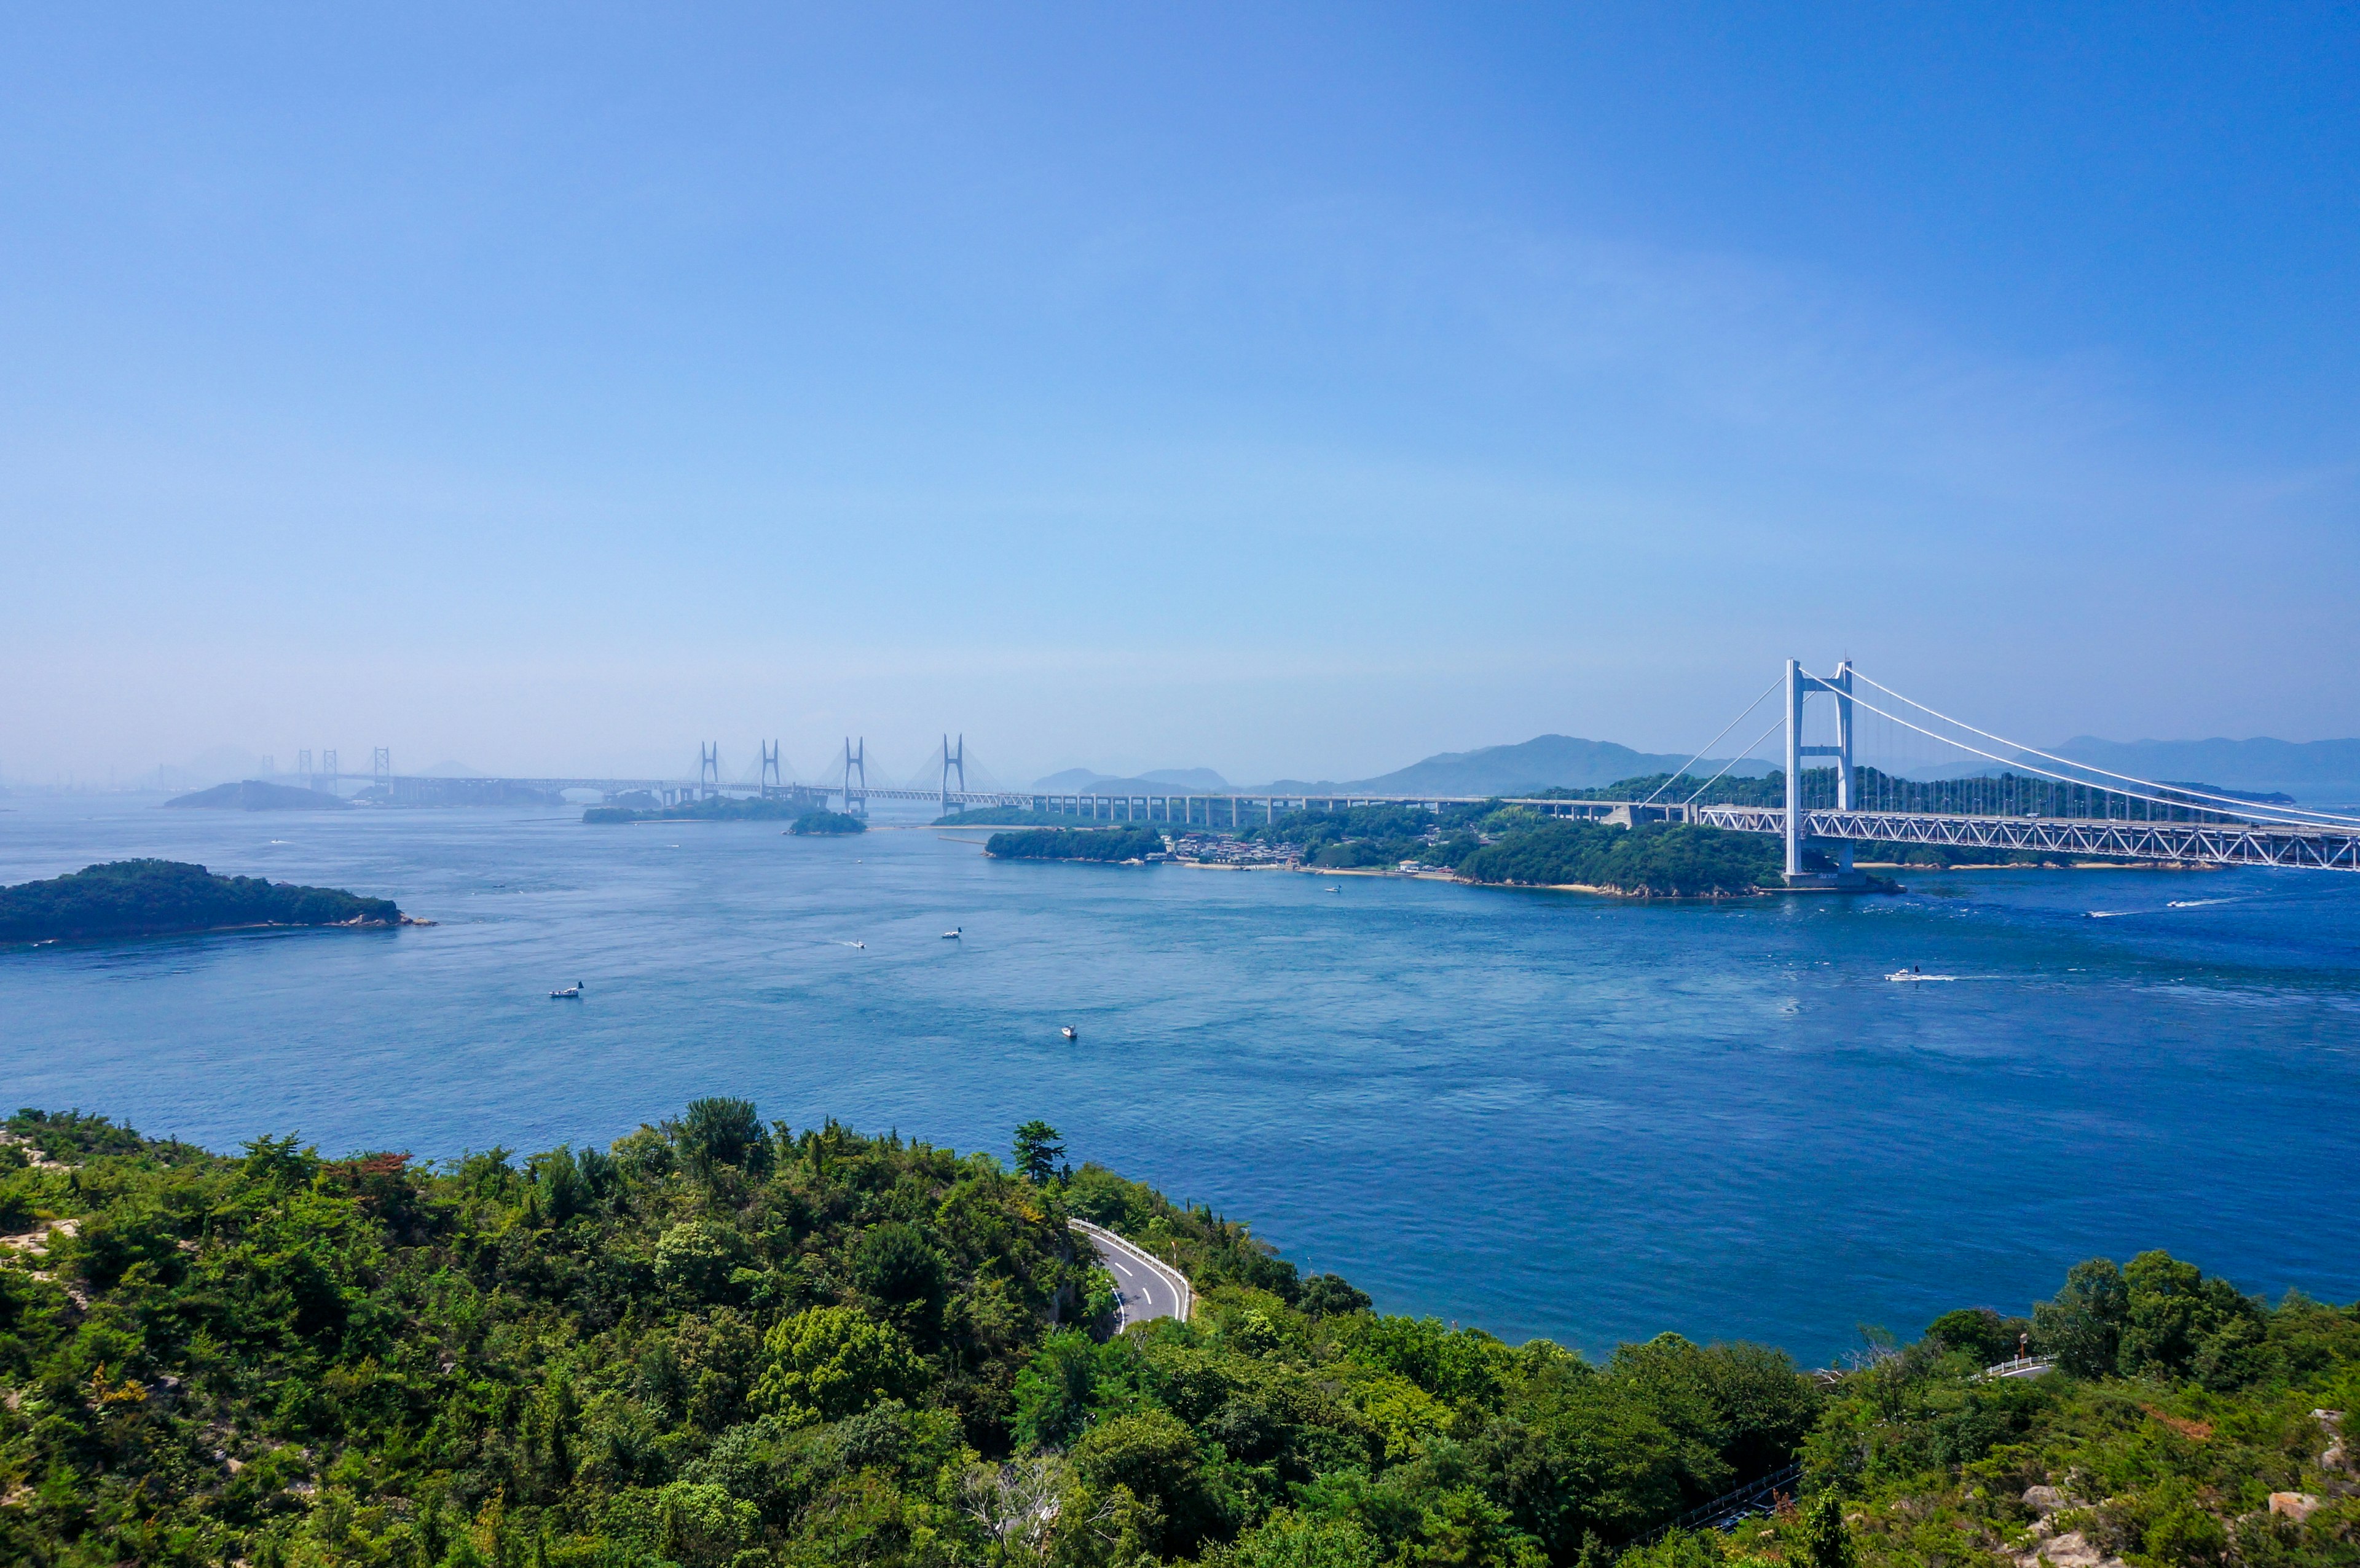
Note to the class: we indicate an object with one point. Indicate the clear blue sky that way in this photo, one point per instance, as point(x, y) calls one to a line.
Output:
point(1289, 390)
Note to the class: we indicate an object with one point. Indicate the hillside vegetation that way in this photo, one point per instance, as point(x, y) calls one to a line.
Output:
point(719, 1343)
point(1116, 843)
point(155, 898)
point(827, 824)
point(1653, 859)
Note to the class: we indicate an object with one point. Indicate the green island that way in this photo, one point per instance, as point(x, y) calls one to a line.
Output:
point(1651, 860)
point(1514, 845)
point(828, 823)
point(254, 795)
point(162, 898)
point(719, 1342)
point(712, 808)
point(1112, 843)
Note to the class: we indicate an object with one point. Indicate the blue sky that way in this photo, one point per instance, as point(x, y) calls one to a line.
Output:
point(1290, 390)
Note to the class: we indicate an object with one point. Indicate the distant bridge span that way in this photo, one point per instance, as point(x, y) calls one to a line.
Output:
point(2041, 802)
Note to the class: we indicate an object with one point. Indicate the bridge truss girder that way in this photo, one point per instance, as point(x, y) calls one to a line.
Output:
point(2216, 843)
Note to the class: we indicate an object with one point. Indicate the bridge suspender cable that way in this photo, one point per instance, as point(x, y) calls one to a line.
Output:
point(2296, 815)
point(2271, 816)
point(1715, 741)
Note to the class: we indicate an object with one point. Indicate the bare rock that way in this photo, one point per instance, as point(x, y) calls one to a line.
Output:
point(2043, 1500)
point(2295, 1506)
point(2071, 1550)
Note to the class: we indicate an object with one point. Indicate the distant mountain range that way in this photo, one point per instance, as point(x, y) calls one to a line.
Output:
point(1541, 763)
point(2314, 770)
point(1087, 781)
point(2310, 771)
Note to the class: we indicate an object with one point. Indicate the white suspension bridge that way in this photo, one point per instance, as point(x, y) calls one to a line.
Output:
point(1858, 764)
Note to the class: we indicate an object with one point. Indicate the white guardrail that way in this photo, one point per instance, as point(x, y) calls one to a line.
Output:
point(1181, 1289)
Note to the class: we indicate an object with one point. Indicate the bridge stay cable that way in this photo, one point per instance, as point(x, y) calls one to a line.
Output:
point(1775, 725)
point(1715, 741)
point(2323, 818)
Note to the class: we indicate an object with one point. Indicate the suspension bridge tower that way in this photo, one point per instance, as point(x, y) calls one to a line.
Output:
point(856, 764)
point(773, 782)
point(954, 761)
point(1800, 684)
point(708, 769)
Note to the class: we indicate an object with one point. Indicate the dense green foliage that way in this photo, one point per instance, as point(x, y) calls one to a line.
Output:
point(723, 1344)
point(1114, 843)
point(829, 823)
point(1654, 859)
point(712, 808)
point(1376, 835)
point(153, 897)
point(2179, 1407)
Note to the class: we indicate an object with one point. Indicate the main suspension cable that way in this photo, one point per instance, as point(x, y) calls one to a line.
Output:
point(2297, 813)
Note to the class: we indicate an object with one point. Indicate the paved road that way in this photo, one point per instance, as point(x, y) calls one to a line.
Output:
point(1147, 1287)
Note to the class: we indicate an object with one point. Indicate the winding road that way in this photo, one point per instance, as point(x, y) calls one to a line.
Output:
point(1147, 1287)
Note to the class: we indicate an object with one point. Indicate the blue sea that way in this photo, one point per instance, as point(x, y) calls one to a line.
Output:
point(1537, 1113)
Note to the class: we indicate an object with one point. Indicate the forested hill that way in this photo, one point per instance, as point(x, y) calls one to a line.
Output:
point(256, 795)
point(723, 1344)
point(157, 897)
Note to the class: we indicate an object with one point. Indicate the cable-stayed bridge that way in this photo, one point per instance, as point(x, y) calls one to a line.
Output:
point(1861, 764)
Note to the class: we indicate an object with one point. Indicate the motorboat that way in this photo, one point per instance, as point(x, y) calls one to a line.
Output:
point(952, 934)
point(572, 993)
point(1913, 973)
point(1070, 1032)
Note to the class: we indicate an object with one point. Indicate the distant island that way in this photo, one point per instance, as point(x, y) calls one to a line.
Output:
point(1485, 842)
point(719, 1341)
point(826, 823)
point(254, 795)
point(712, 808)
point(163, 897)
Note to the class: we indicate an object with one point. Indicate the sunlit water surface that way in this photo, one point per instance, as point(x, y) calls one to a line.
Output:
point(1544, 1113)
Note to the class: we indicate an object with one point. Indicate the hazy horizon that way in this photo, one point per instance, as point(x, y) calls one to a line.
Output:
point(1294, 393)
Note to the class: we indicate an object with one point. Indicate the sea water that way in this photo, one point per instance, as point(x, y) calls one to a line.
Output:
point(1537, 1113)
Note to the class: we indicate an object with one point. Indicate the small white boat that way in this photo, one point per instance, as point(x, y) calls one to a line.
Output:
point(572, 992)
point(1070, 1032)
point(1912, 973)
point(952, 934)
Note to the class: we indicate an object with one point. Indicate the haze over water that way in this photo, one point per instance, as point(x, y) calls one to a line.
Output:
point(1540, 1113)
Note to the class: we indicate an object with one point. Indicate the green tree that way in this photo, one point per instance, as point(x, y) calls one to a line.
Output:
point(2082, 1327)
point(1827, 1539)
point(831, 1362)
point(1038, 1152)
point(721, 1131)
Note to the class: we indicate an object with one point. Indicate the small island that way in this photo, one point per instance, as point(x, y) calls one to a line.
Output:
point(826, 823)
point(171, 898)
point(712, 808)
point(254, 795)
point(1105, 845)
